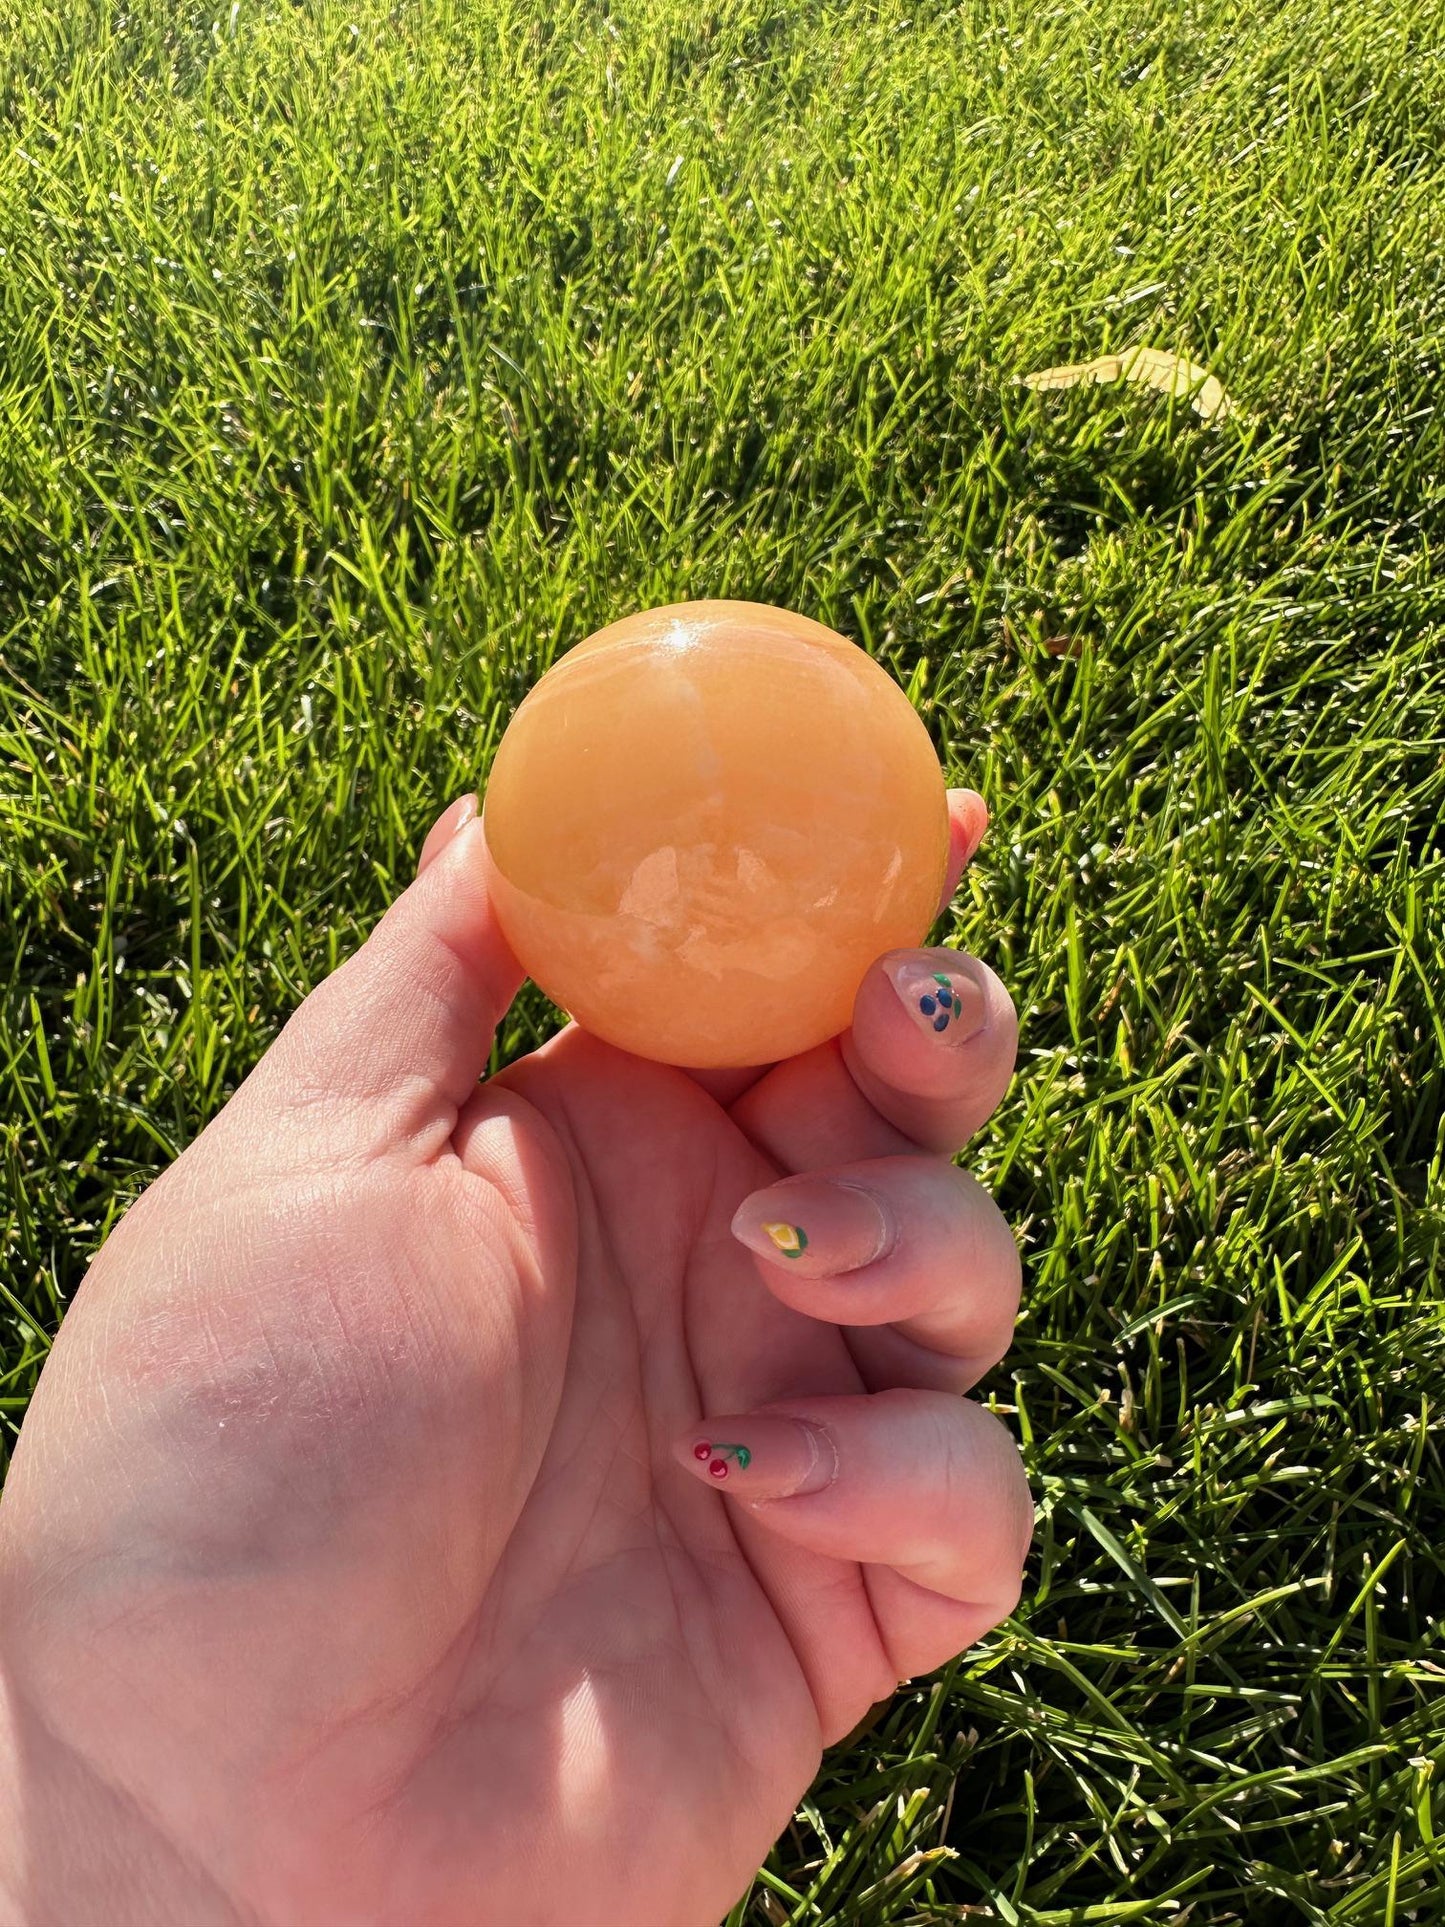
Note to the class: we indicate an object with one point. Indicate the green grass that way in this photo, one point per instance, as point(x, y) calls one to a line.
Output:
point(355, 358)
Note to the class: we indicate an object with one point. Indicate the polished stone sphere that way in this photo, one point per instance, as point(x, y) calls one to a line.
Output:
point(705, 822)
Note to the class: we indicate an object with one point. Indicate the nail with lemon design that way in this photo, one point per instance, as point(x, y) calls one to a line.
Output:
point(791, 1239)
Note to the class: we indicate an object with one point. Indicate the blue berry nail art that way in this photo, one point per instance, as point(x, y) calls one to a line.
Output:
point(938, 999)
point(941, 1005)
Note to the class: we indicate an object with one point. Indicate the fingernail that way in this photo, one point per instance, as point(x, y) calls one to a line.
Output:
point(445, 831)
point(816, 1226)
point(968, 825)
point(942, 999)
point(760, 1457)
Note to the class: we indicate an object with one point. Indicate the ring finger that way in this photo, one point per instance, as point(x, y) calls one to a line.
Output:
point(909, 1255)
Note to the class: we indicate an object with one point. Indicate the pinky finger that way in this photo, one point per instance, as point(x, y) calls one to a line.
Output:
point(928, 1486)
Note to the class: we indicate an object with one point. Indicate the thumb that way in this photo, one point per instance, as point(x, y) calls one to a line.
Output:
point(405, 1026)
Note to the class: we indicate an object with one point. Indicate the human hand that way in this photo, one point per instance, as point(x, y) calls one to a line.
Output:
point(356, 1567)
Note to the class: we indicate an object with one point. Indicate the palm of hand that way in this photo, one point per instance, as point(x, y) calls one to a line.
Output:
point(627, 1675)
point(403, 1545)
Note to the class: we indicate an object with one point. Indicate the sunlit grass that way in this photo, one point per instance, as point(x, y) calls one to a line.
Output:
point(355, 358)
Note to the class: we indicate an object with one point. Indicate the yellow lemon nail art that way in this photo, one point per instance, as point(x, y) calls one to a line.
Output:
point(791, 1239)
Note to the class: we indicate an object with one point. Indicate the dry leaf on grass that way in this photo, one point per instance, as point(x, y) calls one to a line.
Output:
point(1154, 368)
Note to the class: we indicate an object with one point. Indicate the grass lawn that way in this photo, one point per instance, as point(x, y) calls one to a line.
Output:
point(358, 355)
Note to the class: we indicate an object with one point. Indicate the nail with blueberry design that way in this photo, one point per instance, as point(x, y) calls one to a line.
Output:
point(947, 1003)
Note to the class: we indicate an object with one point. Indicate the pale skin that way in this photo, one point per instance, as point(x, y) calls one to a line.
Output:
point(359, 1564)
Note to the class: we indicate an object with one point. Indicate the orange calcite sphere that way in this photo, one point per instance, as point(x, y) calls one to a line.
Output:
point(705, 822)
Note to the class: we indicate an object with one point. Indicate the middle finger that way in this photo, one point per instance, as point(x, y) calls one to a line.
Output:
point(909, 1255)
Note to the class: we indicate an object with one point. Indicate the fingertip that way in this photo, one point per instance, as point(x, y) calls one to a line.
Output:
point(969, 811)
point(453, 818)
point(1027, 1545)
point(923, 1021)
point(967, 827)
point(932, 1044)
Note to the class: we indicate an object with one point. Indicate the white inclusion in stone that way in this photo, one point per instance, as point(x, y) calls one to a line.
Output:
point(885, 889)
point(652, 889)
point(753, 874)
